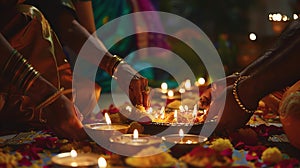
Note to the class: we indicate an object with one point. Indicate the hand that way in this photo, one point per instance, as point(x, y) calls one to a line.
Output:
point(232, 116)
point(134, 84)
point(62, 119)
point(217, 88)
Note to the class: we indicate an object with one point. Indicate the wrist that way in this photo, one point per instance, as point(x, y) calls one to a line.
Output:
point(248, 94)
point(242, 97)
point(110, 62)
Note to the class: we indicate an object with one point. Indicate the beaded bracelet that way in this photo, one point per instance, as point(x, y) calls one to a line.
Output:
point(236, 97)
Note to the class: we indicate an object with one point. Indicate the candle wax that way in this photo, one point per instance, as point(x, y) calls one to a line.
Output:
point(81, 160)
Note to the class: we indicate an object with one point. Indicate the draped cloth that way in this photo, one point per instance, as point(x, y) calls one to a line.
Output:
point(105, 11)
point(38, 44)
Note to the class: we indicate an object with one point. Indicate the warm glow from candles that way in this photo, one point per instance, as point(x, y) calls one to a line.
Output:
point(204, 111)
point(181, 133)
point(195, 110)
point(181, 90)
point(128, 108)
point(170, 93)
point(189, 142)
point(102, 162)
point(181, 108)
point(164, 87)
point(187, 84)
point(175, 115)
point(135, 134)
point(162, 112)
point(107, 119)
point(150, 110)
point(73, 153)
point(186, 108)
point(201, 81)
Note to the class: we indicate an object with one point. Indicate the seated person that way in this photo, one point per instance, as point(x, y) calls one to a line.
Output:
point(275, 70)
point(35, 76)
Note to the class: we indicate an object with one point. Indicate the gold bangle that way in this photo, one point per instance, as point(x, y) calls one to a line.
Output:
point(236, 97)
point(118, 61)
point(237, 74)
point(47, 102)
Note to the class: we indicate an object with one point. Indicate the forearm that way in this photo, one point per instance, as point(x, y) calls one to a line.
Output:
point(280, 71)
point(21, 74)
point(269, 54)
point(85, 15)
point(74, 37)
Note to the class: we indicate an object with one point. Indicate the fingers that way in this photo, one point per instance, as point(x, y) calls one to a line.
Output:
point(145, 91)
point(135, 93)
point(139, 91)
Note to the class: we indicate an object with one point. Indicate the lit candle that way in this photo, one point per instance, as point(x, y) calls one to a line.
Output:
point(181, 143)
point(101, 132)
point(130, 144)
point(181, 108)
point(73, 159)
point(186, 108)
point(107, 119)
point(181, 134)
point(162, 112)
point(102, 162)
point(170, 93)
point(164, 87)
point(181, 90)
point(135, 134)
point(175, 115)
point(149, 110)
point(195, 110)
point(201, 81)
point(188, 84)
point(129, 108)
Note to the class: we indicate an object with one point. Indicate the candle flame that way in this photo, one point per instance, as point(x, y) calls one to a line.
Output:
point(181, 133)
point(73, 153)
point(164, 86)
point(189, 142)
point(162, 110)
point(181, 108)
point(201, 81)
point(195, 110)
point(175, 114)
point(135, 134)
point(170, 93)
point(74, 164)
point(150, 110)
point(107, 119)
point(102, 162)
point(186, 108)
point(181, 90)
point(187, 84)
point(128, 108)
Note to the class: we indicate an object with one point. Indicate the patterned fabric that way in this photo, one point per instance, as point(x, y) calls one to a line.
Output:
point(38, 44)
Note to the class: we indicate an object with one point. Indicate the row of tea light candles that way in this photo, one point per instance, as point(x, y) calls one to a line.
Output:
point(72, 159)
point(187, 86)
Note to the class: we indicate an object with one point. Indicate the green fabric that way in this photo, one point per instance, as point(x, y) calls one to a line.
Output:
point(105, 11)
